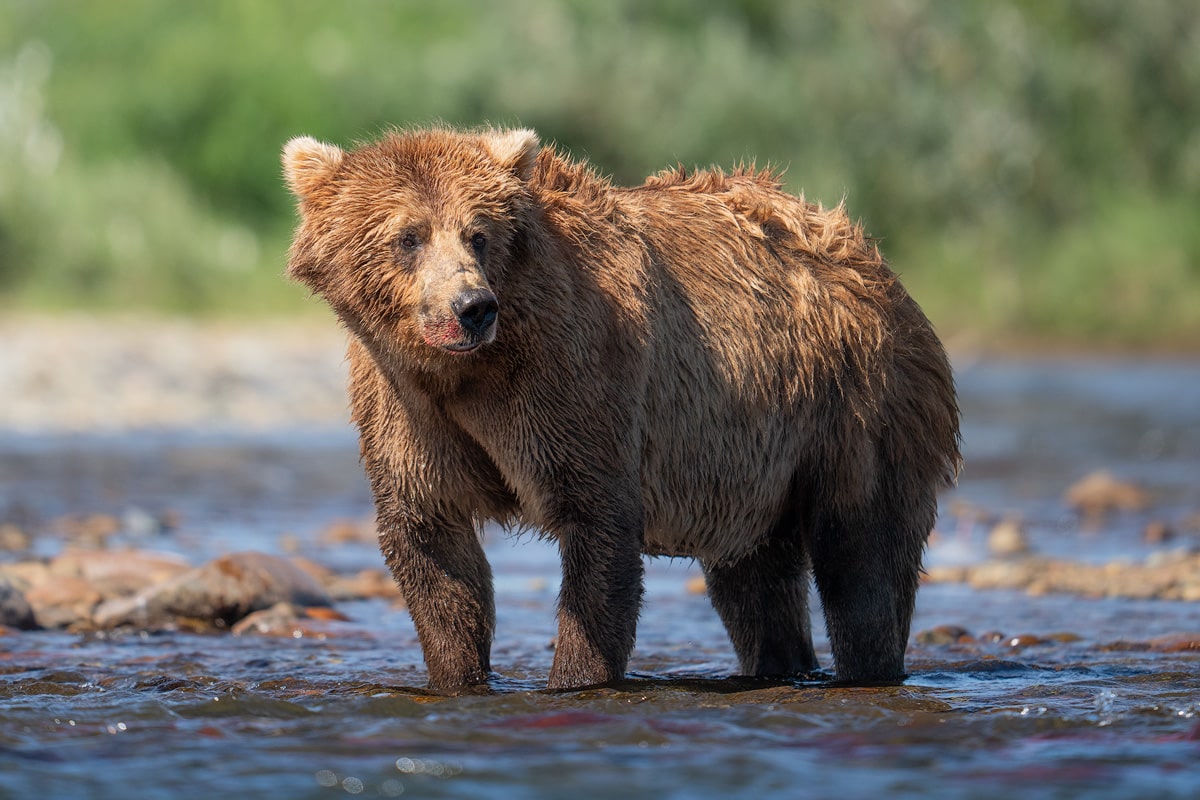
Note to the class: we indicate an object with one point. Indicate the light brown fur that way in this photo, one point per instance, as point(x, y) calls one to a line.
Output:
point(701, 366)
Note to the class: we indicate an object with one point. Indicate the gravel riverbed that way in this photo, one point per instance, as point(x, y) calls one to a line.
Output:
point(104, 375)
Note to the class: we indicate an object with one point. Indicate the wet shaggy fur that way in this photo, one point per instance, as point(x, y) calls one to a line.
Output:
point(702, 366)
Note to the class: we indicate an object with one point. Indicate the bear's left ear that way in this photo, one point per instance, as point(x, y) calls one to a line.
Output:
point(516, 150)
point(308, 163)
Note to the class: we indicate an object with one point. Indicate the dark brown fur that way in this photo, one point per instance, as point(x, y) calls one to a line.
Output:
point(702, 366)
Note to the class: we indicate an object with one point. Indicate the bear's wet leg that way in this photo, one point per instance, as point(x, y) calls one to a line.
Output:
point(867, 568)
point(763, 601)
point(447, 583)
point(597, 607)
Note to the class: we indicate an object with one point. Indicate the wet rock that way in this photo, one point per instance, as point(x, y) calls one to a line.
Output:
point(943, 635)
point(15, 611)
point(288, 620)
point(1008, 538)
point(24, 574)
point(319, 572)
point(1176, 643)
point(696, 585)
point(364, 585)
point(218, 594)
point(278, 620)
point(1100, 493)
point(1023, 640)
point(117, 573)
point(63, 601)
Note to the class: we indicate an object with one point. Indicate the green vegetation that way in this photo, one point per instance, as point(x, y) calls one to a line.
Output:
point(1032, 169)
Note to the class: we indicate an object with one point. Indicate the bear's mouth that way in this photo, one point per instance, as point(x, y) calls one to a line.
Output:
point(462, 348)
point(446, 334)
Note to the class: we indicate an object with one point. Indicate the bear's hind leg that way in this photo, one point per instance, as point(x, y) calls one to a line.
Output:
point(867, 567)
point(762, 599)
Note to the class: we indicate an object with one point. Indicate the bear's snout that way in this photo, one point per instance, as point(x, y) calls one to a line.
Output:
point(476, 310)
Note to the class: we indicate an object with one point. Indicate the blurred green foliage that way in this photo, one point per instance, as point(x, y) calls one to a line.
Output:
point(1032, 168)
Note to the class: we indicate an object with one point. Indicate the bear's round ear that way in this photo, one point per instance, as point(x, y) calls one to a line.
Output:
point(308, 163)
point(514, 149)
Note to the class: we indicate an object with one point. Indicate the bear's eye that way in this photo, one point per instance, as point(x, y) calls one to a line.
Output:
point(478, 243)
point(409, 241)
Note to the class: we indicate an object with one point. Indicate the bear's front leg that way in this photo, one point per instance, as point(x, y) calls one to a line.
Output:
point(447, 582)
point(598, 604)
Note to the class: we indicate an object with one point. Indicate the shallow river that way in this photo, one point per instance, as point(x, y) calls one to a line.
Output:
point(1050, 696)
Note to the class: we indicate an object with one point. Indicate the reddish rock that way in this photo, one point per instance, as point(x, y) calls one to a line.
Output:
point(943, 635)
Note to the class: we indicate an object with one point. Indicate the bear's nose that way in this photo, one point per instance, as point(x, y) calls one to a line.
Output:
point(476, 310)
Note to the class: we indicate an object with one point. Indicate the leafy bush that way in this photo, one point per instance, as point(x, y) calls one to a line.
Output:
point(1033, 169)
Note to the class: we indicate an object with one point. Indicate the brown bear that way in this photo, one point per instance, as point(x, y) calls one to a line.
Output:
point(702, 366)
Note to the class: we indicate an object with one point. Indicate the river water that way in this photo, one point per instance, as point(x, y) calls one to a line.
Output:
point(1048, 696)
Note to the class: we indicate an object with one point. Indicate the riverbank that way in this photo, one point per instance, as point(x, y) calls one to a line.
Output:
point(76, 373)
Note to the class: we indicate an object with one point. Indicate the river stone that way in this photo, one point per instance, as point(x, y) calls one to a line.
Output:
point(218, 593)
point(15, 611)
point(118, 573)
point(1100, 493)
point(62, 601)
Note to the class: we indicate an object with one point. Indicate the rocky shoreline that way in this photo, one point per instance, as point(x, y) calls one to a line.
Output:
point(105, 375)
point(66, 375)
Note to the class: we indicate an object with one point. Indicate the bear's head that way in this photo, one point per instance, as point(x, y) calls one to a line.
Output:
point(408, 238)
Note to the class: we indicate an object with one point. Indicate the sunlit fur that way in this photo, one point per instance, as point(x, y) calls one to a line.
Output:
point(701, 366)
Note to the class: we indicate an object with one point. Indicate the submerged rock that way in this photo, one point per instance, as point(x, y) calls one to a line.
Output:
point(217, 594)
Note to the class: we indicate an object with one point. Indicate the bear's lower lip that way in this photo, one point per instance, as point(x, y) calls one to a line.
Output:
point(461, 349)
